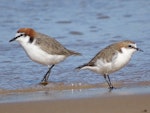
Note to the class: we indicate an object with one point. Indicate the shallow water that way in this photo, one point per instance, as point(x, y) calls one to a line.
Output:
point(82, 25)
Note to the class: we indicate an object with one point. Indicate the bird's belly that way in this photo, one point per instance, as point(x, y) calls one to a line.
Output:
point(120, 62)
point(38, 55)
point(47, 59)
point(104, 67)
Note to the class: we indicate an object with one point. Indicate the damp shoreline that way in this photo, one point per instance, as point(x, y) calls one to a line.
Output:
point(77, 100)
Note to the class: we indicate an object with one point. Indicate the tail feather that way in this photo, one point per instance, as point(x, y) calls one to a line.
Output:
point(85, 66)
point(74, 53)
point(80, 67)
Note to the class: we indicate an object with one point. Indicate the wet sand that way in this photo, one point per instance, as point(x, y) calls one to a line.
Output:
point(101, 104)
point(131, 98)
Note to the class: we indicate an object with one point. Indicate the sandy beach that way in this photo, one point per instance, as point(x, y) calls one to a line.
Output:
point(102, 104)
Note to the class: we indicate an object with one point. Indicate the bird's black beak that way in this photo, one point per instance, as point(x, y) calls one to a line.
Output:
point(13, 39)
point(138, 49)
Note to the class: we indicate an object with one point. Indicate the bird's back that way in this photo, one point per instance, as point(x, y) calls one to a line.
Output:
point(52, 46)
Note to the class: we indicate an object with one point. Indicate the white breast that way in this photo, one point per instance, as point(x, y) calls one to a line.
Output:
point(122, 59)
point(36, 54)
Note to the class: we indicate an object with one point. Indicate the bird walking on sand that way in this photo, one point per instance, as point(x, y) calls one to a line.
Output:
point(42, 49)
point(111, 59)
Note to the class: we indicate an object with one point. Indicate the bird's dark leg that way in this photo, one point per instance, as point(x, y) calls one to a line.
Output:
point(108, 81)
point(105, 76)
point(46, 76)
point(111, 86)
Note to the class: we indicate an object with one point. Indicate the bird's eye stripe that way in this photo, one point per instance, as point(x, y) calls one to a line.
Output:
point(20, 35)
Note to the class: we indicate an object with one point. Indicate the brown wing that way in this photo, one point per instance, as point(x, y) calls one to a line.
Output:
point(54, 47)
point(107, 53)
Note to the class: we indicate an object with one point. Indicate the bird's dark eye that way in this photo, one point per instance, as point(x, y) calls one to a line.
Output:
point(20, 35)
point(130, 46)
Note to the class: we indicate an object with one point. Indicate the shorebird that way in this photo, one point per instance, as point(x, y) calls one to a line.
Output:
point(111, 59)
point(42, 49)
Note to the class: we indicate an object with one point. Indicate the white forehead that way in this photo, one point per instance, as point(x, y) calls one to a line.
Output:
point(17, 34)
point(133, 44)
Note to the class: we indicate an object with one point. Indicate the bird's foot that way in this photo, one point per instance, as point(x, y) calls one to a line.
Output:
point(111, 88)
point(44, 83)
